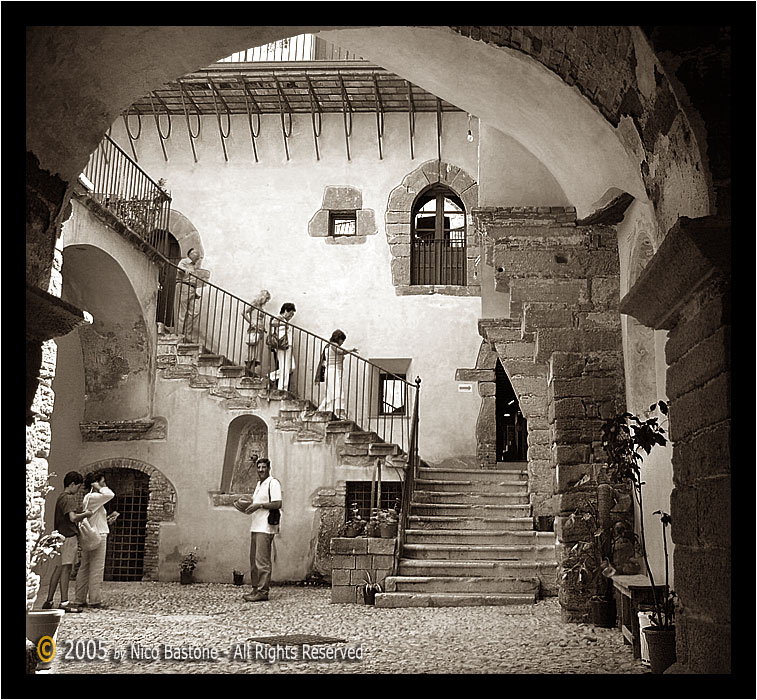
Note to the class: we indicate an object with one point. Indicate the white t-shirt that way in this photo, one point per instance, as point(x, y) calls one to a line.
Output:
point(259, 521)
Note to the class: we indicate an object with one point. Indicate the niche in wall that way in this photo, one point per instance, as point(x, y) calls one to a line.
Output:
point(246, 441)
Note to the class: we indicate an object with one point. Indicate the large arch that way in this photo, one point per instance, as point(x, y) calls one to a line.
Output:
point(657, 145)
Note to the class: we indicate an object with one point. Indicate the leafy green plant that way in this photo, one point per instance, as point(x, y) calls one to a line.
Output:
point(589, 558)
point(626, 438)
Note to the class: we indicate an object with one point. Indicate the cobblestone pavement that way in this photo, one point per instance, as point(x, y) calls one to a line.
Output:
point(170, 620)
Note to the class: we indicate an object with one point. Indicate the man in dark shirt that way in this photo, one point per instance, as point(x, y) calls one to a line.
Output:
point(66, 518)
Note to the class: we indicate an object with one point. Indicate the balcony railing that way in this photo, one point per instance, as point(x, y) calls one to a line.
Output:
point(303, 47)
point(436, 261)
point(123, 188)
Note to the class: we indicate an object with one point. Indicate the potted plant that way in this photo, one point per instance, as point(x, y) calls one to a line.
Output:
point(187, 566)
point(373, 528)
point(355, 525)
point(41, 623)
point(590, 560)
point(238, 577)
point(626, 438)
point(370, 588)
point(388, 519)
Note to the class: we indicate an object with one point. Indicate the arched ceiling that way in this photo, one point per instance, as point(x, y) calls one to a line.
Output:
point(80, 78)
point(514, 94)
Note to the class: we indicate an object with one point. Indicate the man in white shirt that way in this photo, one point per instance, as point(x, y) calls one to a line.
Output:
point(265, 499)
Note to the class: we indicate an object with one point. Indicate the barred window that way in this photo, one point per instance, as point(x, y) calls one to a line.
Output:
point(360, 492)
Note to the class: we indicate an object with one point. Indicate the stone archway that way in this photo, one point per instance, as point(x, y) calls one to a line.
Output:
point(160, 508)
point(398, 225)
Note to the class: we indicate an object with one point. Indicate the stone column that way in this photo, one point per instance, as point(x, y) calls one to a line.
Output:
point(686, 289)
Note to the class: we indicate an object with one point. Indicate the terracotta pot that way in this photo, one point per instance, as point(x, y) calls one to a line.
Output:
point(43, 623)
point(662, 648)
point(373, 530)
point(369, 594)
point(239, 579)
point(351, 531)
point(389, 529)
point(603, 613)
point(186, 577)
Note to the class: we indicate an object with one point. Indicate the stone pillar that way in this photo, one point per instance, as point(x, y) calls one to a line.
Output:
point(686, 289)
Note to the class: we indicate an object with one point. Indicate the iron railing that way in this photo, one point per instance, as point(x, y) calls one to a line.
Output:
point(438, 262)
point(123, 188)
point(303, 47)
point(227, 326)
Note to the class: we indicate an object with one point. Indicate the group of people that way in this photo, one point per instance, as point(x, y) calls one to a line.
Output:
point(278, 336)
point(68, 516)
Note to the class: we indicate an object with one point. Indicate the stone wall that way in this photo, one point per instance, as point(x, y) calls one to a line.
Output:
point(353, 558)
point(561, 348)
point(686, 289)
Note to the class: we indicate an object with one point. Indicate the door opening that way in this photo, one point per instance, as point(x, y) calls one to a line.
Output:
point(512, 432)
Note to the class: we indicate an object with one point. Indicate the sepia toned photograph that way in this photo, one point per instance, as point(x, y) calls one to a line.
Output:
point(379, 349)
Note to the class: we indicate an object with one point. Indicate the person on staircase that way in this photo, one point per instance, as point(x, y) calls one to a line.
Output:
point(266, 515)
point(333, 360)
point(280, 343)
point(190, 279)
point(255, 332)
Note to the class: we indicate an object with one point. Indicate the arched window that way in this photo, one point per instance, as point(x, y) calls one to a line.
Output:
point(438, 238)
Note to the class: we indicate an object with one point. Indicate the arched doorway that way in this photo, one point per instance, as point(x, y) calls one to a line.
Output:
point(169, 248)
point(512, 432)
point(124, 558)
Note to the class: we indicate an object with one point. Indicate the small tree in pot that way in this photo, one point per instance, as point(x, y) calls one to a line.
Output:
point(626, 438)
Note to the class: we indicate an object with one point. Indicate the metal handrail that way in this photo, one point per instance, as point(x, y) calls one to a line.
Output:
point(122, 187)
point(233, 329)
point(411, 474)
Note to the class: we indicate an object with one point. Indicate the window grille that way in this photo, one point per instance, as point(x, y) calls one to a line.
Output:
point(342, 223)
point(438, 241)
point(124, 557)
point(392, 394)
point(360, 492)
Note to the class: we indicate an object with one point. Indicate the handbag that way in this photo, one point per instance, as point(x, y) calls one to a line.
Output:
point(320, 373)
point(274, 515)
point(89, 538)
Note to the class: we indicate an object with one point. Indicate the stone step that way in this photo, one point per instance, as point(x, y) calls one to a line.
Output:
point(500, 486)
point(361, 437)
point(471, 510)
point(474, 552)
point(210, 360)
point(487, 475)
point(542, 569)
point(479, 537)
point(476, 522)
point(461, 584)
point(422, 496)
point(450, 600)
point(340, 426)
point(383, 449)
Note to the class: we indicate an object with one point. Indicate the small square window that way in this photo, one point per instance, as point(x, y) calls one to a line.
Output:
point(343, 223)
point(392, 394)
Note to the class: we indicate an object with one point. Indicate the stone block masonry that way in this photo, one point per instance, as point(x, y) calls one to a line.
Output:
point(561, 348)
point(353, 560)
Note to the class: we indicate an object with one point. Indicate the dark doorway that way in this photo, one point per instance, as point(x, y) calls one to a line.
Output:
point(124, 557)
point(168, 246)
point(512, 445)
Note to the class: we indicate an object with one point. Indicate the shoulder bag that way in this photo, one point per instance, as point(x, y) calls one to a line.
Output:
point(274, 514)
point(89, 538)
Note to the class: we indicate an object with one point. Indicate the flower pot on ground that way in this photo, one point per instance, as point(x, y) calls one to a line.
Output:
point(370, 588)
point(39, 624)
point(603, 612)
point(661, 644)
point(238, 578)
point(187, 567)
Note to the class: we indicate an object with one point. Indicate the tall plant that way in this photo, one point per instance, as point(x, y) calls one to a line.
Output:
point(626, 438)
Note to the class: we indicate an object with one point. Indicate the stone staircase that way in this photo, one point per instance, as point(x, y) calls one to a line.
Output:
point(219, 378)
point(470, 541)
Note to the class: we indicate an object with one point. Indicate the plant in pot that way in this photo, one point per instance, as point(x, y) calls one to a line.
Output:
point(369, 588)
point(187, 566)
point(238, 577)
point(388, 519)
point(355, 525)
point(373, 528)
point(589, 560)
point(626, 438)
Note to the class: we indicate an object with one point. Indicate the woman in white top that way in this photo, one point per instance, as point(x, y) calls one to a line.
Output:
point(333, 358)
point(187, 296)
point(90, 576)
point(255, 331)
